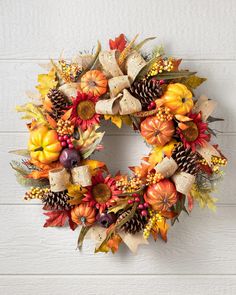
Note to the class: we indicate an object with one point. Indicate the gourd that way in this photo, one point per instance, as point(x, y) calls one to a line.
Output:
point(178, 99)
point(162, 195)
point(156, 132)
point(44, 145)
point(94, 82)
point(83, 214)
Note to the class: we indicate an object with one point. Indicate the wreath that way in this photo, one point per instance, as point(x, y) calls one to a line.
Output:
point(148, 92)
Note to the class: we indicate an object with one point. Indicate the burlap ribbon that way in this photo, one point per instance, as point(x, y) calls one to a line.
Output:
point(121, 101)
point(183, 181)
point(59, 179)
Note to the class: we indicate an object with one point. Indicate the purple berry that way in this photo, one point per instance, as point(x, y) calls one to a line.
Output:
point(106, 219)
point(69, 158)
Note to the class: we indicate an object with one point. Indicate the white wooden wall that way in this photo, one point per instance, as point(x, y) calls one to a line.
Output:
point(200, 256)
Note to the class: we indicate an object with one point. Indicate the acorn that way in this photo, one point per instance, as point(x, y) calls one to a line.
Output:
point(106, 219)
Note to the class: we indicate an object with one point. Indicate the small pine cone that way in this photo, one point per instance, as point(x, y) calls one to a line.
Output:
point(146, 91)
point(59, 102)
point(57, 200)
point(136, 224)
point(187, 160)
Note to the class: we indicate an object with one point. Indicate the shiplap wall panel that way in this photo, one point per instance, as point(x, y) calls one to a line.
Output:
point(73, 285)
point(120, 151)
point(203, 243)
point(200, 256)
point(42, 29)
point(20, 76)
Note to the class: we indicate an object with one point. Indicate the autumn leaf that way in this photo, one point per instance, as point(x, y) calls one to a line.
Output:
point(32, 112)
point(193, 81)
point(159, 152)
point(141, 170)
point(111, 245)
point(46, 81)
point(119, 43)
point(76, 192)
point(160, 228)
point(119, 120)
point(56, 218)
point(44, 169)
point(94, 165)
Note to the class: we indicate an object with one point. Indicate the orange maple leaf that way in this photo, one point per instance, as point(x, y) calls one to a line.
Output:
point(119, 43)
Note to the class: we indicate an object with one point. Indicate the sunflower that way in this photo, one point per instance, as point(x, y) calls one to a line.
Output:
point(83, 110)
point(195, 132)
point(102, 193)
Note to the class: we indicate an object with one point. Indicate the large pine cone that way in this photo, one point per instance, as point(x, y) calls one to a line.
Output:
point(136, 224)
point(186, 159)
point(57, 200)
point(59, 102)
point(146, 91)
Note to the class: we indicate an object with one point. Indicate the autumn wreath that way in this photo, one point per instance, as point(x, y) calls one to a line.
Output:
point(146, 91)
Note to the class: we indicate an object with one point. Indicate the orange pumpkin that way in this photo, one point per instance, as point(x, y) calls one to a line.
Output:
point(178, 99)
point(95, 82)
point(156, 132)
point(162, 195)
point(83, 214)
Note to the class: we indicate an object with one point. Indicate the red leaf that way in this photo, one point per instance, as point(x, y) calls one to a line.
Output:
point(72, 224)
point(56, 218)
point(119, 43)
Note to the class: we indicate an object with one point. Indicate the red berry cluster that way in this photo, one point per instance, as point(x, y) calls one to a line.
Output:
point(142, 205)
point(66, 141)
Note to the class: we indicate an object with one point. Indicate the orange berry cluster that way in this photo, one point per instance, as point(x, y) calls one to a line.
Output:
point(164, 114)
point(153, 178)
point(129, 185)
point(65, 127)
point(161, 65)
point(36, 193)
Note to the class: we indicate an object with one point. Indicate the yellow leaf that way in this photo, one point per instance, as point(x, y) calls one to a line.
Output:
point(127, 120)
point(115, 119)
point(46, 81)
point(76, 192)
point(94, 165)
point(158, 152)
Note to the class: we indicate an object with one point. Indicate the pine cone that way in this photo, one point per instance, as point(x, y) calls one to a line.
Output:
point(146, 91)
point(59, 102)
point(136, 224)
point(186, 159)
point(57, 200)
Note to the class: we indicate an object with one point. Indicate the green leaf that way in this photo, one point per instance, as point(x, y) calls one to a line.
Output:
point(94, 60)
point(84, 230)
point(29, 182)
point(32, 111)
point(174, 75)
point(141, 44)
point(117, 208)
point(158, 51)
point(193, 81)
point(22, 152)
point(145, 69)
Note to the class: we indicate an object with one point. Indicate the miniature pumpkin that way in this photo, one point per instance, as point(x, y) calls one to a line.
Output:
point(157, 132)
point(178, 99)
point(162, 195)
point(44, 145)
point(83, 214)
point(94, 82)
